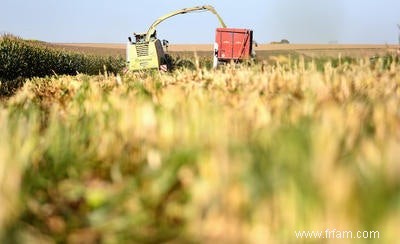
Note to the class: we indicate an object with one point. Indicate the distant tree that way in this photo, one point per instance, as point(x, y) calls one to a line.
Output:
point(283, 41)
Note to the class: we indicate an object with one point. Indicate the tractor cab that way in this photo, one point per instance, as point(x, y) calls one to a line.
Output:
point(141, 37)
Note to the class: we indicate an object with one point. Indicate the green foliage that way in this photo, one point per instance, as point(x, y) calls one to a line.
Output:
point(189, 62)
point(21, 59)
point(385, 62)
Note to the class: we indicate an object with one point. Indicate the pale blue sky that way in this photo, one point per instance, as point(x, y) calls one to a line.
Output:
point(299, 21)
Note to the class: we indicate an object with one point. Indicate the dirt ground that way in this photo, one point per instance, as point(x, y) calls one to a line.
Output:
point(263, 50)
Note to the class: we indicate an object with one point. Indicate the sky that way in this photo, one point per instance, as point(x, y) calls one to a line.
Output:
point(299, 21)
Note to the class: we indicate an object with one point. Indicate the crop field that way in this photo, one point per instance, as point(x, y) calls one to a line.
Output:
point(241, 154)
point(263, 51)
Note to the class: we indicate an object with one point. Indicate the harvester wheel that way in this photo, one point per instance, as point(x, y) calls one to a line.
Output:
point(167, 60)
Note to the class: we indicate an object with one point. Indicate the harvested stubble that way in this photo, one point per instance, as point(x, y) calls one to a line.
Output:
point(233, 155)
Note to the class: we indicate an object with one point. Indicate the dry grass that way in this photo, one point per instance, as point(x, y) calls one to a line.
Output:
point(245, 155)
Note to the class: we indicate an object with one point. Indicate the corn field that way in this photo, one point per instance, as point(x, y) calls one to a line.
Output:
point(237, 155)
point(20, 59)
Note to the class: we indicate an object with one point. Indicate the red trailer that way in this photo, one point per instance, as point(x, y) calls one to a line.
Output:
point(233, 44)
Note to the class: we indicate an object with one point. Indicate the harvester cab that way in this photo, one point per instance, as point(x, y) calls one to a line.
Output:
point(146, 50)
point(145, 53)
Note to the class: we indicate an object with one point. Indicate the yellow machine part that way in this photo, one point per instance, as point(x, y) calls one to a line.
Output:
point(147, 55)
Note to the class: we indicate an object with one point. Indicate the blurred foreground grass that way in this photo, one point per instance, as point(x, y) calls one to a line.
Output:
point(245, 155)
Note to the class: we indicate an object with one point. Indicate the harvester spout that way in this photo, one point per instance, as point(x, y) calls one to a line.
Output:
point(151, 32)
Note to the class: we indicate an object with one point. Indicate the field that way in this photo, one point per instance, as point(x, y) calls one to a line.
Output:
point(241, 154)
point(263, 51)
